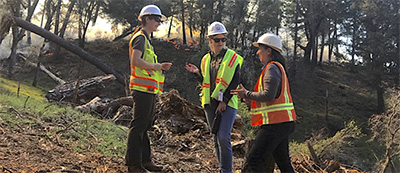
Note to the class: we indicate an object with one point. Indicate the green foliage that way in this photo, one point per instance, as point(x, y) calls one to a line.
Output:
point(248, 130)
point(79, 130)
point(336, 147)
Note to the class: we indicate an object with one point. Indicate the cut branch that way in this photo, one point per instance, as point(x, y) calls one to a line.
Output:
point(51, 75)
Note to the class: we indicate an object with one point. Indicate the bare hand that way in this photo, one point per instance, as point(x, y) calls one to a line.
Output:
point(192, 68)
point(166, 66)
point(241, 92)
point(221, 107)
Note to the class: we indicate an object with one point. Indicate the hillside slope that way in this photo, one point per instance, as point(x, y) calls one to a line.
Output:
point(350, 97)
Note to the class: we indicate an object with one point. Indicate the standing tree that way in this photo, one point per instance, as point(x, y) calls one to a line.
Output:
point(126, 13)
point(377, 45)
point(15, 7)
point(66, 18)
point(183, 22)
point(16, 11)
point(86, 11)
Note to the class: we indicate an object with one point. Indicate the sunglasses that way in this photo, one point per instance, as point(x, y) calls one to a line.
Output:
point(217, 40)
point(156, 18)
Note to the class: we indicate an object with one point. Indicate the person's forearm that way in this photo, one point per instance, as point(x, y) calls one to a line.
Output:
point(139, 62)
point(269, 93)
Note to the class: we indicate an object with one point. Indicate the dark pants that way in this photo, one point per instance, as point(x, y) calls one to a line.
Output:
point(138, 148)
point(272, 142)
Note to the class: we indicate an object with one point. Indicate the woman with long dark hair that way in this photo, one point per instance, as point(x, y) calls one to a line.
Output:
point(272, 109)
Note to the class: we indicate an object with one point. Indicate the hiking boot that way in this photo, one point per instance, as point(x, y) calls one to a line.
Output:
point(139, 169)
point(150, 166)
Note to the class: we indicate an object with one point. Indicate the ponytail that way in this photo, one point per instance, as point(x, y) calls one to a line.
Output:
point(137, 30)
point(142, 24)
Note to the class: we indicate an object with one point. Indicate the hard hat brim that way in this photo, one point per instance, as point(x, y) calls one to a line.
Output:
point(256, 44)
point(216, 34)
point(163, 18)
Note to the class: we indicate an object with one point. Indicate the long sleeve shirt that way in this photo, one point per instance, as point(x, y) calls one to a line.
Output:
point(272, 82)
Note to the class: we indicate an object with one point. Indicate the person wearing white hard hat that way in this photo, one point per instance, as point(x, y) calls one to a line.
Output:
point(219, 73)
point(272, 109)
point(146, 81)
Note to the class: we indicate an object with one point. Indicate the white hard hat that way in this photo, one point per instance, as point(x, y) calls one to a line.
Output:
point(216, 28)
point(270, 40)
point(150, 10)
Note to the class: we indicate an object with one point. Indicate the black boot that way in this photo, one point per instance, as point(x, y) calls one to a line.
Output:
point(152, 167)
point(139, 169)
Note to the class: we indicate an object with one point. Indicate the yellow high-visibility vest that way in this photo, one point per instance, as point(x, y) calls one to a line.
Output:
point(279, 110)
point(145, 80)
point(224, 76)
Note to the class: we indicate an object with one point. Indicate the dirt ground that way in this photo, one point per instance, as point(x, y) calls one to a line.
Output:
point(22, 150)
point(181, 142)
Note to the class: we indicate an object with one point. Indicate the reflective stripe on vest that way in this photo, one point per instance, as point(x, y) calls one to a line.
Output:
point(145, 80)
point(279, 110)
point(224, 76)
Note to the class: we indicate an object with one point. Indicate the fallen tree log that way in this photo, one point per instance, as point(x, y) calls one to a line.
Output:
point(87, 90)
point(48, 72)
point(67, 45)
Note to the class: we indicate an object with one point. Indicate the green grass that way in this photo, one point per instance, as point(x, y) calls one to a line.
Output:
point(81, 131)
point(9, 86)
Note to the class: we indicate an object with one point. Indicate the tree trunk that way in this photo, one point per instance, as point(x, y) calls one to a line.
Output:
point(191, 25)
point(31, 9)
point(397, 60)
point(183, 22)
point(202, 33)
point(332, 41)
point(5, 28)
point(379, 93)
point(57, 22)
point(43, 12)
point(321, 54)
point(236, 38)
point(66, 19)
point(96, 14)
point(220, 8)
point(49, 15)
point(353, 46)
point(126, 32)
point(13, 55)
point(16, 8)
point(69, 46)
point(296, 28)
point(315, 51)
point(170, 25)
point(243, 36)
point(336, 43)
point(308, 48)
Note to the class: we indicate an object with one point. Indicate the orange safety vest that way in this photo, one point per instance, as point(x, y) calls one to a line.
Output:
point(279, 110)
point(145, 80)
